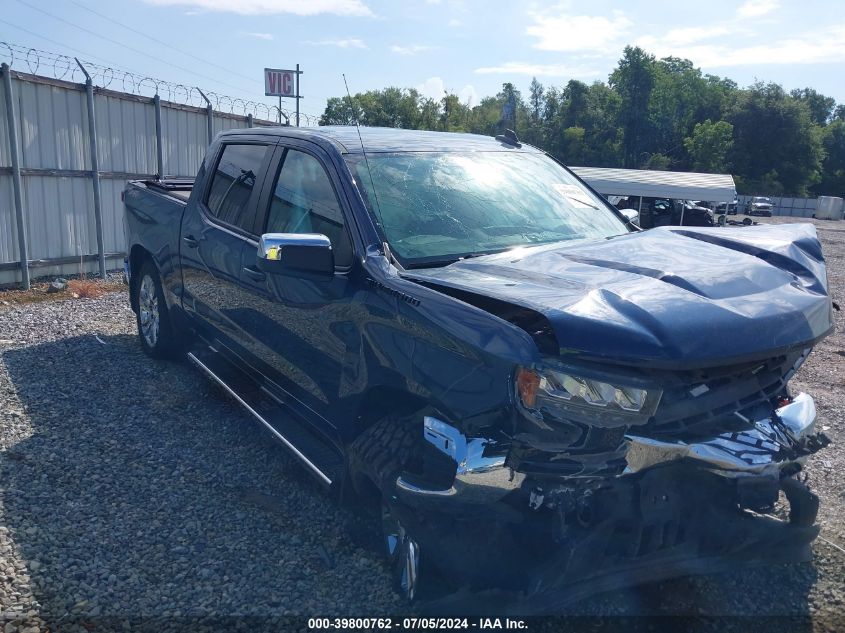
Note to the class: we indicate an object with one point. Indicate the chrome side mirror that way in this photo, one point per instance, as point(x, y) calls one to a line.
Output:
point(296, 254)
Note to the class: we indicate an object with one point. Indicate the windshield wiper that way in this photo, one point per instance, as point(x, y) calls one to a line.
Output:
point(440, 263)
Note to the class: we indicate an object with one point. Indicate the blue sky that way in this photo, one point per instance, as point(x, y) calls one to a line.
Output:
point(469, 47)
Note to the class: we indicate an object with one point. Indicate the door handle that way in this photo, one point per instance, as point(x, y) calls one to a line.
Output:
point(254, 274)
point(191, 241)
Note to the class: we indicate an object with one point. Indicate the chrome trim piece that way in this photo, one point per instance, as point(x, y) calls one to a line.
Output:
point(258, 416)
point(478, 478)
point(757, 451)
point(271, 244)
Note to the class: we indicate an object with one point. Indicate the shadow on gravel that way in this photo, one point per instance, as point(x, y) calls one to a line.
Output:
point(144, 491)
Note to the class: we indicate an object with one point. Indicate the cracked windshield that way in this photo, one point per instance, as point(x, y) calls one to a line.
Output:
point(435, 208)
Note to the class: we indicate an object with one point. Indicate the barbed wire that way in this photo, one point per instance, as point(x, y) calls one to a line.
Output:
point(64, 67)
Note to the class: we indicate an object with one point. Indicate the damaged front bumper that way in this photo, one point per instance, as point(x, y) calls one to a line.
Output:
point(774, 447)
point(677, 508)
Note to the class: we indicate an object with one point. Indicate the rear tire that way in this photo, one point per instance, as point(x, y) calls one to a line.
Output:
point(152, 318)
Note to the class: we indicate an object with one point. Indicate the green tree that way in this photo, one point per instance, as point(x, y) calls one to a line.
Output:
point(390, 107)
point(775, 140)
point(821, 107)
point(455, 115)
point(709, 145)
point(535, 99)
point(603, 131)
point(658, 114)
point(633, 80)
point(833, 168)
point(572, 150)
point(659, 162)
point(339, 111)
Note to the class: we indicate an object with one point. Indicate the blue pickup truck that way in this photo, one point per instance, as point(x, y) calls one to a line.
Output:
point(457, 332)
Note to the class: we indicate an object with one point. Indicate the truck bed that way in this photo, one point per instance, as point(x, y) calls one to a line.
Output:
point(154, 210)
point(179, 188)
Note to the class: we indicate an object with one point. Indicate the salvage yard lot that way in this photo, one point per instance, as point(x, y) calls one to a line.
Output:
point(134, 488)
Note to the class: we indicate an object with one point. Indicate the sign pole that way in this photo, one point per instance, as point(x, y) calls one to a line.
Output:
point(284, 84)
point(297, 95)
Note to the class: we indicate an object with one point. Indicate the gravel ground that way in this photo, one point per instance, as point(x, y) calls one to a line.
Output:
point(133, 489)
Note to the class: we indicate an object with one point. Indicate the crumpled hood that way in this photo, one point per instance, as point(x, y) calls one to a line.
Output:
point(674, 296)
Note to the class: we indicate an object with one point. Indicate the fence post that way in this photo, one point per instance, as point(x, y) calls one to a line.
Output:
point(16, 174)
point(249, 120)
point(95, 170)
point(210, 112)
point(159, 148)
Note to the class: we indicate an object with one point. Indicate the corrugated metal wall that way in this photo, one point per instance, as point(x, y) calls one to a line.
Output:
point(57, 191)
point(796, 207)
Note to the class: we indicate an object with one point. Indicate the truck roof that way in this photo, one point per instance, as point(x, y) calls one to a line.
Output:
point(384, 139)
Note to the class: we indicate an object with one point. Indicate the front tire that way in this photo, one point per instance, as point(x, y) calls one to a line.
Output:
point(152, 318)
point(377, 458)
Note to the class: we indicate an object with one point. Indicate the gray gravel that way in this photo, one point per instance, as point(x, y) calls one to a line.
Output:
point(133, 488)
point(136, 488)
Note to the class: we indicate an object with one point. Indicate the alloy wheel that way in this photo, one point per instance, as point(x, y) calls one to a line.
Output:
point(148, 310)
point(403, 554)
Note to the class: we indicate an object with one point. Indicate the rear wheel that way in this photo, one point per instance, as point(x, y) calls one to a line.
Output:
point(152, 318)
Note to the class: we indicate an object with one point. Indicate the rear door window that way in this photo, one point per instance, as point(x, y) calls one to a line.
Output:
point(234, 180)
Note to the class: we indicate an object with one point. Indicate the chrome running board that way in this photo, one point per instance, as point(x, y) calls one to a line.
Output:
point(322, 476)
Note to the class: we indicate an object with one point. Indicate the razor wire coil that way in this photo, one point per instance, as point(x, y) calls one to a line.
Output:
point(64, 67)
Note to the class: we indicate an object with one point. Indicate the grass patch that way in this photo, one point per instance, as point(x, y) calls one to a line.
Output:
point(76, 289)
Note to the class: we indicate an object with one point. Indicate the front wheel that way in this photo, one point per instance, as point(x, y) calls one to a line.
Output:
point(377, 458)
point(403, 554)
point(152, 318)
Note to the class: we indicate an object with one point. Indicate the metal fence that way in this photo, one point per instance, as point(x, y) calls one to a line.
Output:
point(66, 152)
point(797, 207)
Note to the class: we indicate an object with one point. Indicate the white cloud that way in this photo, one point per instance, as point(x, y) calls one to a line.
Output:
point(433, 88)
point(468, 95)
point(454, 22)
point(349, 42)
point(690, 34)
point(540, 70)
point(578, 33)
point(756, 8)
point(259, 36)
point(273, 7)
point(411, 49)
point(822, 46)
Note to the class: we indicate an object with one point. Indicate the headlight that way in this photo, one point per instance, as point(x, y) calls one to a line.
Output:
point(553, 394)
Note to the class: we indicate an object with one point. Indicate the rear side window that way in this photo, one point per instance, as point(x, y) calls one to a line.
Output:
point(304, 201)
point(232, 185)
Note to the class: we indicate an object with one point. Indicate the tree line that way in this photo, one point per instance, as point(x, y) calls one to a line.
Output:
point(650, 114)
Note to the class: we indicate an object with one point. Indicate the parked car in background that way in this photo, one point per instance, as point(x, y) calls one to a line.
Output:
point(728, 208)
point(458, 333)
point(665, 212)
point(759, 205)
